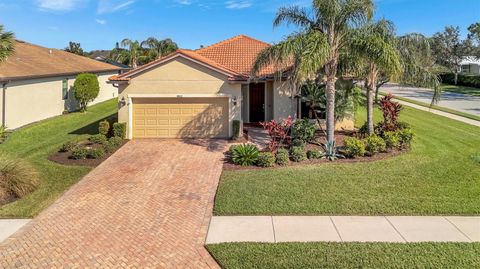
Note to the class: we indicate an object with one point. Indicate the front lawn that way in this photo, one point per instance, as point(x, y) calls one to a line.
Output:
point(461, 89)
point(438, 177)
point(36, 142)
point(347, 255)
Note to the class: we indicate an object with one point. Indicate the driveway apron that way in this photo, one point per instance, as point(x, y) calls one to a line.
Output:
point(147, 206)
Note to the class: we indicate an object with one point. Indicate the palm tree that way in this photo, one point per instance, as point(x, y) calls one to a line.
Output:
point(75, 48)
point(159, 48)
point(329, 25)
point(7, 44)
point(418, 63)
point(132, 52)
point(375, 45)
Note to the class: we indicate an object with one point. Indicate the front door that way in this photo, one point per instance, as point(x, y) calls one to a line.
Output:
point(257, 102)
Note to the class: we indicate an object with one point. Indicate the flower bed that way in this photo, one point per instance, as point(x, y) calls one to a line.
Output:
point(294, 142)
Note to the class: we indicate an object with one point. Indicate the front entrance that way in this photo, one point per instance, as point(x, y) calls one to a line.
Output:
point(257, 102)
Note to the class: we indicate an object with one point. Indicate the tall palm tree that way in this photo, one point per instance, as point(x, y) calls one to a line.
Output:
point(375, 45)
point(159, 48)
point(132, 53)
point(7, 44)
point(334, 21)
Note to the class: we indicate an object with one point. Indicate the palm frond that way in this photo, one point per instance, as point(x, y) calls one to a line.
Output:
point(293, 15)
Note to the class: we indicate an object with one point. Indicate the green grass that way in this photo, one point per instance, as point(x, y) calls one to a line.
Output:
point(461, 89)
point(36, 142)
point(438, 176)
point(347, 255)
point(444, 109)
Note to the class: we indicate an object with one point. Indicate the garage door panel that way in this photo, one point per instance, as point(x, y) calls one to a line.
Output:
point(177, 118)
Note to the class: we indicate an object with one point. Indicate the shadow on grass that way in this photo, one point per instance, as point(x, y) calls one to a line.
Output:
point(92, 128)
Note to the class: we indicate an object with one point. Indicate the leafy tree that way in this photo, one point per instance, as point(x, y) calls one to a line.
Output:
point(159, 48)
point(75, 48)
point(315, 50)
point(450, 49)
point(7, 44)
point(474, 38)
point(85, 89)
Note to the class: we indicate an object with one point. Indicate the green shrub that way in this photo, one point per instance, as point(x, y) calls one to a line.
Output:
point(283, 157)
point(116, 141)
point(98, 139)
point(403, 125)
point(354, 147)
point(298, 154)
point(303, 130)
point(236, 129)
point(85, 89)
point(298, 143)
point(266, 159)
point(314, 154)
point(120, 129)
point(375, 144)
point(16, 176)
point(463, 80)
point(104, 127)
point(109, 147)
point(67, 146)
point(405, 137)
point(79, 153)
point(231, 148)
point(245, 154)
point(391, 139)
point(96, 153)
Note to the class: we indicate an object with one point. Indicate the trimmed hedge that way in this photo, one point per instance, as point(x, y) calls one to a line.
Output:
point(463, 80)
point(120, 129)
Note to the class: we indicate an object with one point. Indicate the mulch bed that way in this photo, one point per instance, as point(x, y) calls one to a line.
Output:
point(64, 157)
point(339, 138)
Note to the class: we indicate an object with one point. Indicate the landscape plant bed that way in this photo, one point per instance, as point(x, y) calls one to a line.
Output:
point(65, 157)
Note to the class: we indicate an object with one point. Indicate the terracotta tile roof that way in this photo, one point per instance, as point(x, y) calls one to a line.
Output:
point(32, 61)
point(234, 56)
point(237, 53)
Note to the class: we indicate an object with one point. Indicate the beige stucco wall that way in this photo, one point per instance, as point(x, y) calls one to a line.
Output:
point(180, 76)
point(284, 104)
point(32, 100)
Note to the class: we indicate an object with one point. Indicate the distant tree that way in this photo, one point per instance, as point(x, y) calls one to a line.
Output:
point(449, 49)
point(75, 48)
point(7, 44)
point(85, 89)
point(159, 48)
point(474, 38)
point(131, 52)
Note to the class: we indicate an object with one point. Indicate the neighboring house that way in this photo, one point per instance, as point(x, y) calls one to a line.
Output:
point(112, 62)
point(470, 66)
point(199, 93)
point(36, 82)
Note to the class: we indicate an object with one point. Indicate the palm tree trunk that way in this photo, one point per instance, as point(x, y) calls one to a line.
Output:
point(370, 109)
point(330, 92)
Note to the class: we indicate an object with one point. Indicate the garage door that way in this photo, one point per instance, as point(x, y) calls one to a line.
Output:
point(180, 117)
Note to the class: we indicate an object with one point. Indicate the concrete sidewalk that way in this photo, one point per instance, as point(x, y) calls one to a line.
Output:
point(10, 226)
point(401, 229)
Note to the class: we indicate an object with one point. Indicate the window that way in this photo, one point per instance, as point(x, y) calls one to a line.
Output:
point(65, 89)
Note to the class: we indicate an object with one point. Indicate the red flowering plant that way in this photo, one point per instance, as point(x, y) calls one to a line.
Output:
point(278, 132)
point(391, 111)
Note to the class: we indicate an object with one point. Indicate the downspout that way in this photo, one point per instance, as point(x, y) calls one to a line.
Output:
point(4, 102)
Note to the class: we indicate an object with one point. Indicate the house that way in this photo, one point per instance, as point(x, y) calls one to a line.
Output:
point(199, 93)
point(470, 66)
point(36, 82)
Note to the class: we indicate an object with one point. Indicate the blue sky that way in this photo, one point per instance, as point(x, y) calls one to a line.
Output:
point(98, 24)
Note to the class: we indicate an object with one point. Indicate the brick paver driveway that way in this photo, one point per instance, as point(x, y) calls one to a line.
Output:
point(146, 206)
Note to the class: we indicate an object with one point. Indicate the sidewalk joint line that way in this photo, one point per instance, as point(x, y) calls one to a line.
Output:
point(395, 228)
point(273, 228)
point(458, 229)
point(336, 229)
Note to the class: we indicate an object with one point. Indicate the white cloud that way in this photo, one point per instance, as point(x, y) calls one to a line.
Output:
point(102, 22)
point(238, 4)
point(110, 6)
point(59, 5)
point(184, 2)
